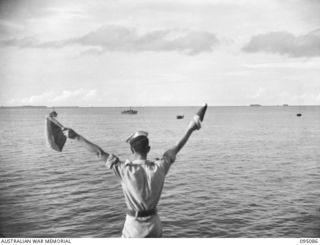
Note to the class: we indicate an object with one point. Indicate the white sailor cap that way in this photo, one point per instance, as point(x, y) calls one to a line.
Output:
point(136, 135)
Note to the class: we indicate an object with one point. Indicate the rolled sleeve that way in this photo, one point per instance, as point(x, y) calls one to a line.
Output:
point(167, 159)
point(114, 164)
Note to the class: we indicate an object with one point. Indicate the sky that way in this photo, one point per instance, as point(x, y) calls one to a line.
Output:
point(159, 52)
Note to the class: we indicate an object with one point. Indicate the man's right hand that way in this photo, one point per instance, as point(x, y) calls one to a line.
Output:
point(70, 133)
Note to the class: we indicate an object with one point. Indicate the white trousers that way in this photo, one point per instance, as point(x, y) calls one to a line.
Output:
point(142, 226)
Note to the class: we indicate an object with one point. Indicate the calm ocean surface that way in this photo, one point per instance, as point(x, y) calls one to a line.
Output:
point(249, 172)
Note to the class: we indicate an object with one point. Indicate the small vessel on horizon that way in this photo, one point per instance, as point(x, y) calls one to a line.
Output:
point(180, 116)
point(130, 111)
point(255, 105)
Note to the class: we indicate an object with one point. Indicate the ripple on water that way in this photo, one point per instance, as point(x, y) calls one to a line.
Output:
point(247, 173)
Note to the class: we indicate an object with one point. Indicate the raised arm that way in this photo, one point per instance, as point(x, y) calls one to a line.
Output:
point(96, 150)
point(195, 124)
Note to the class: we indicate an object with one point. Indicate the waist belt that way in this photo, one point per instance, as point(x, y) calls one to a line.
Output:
point(144, 213)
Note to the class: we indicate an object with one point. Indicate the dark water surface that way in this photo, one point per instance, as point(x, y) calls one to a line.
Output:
point(250, 172)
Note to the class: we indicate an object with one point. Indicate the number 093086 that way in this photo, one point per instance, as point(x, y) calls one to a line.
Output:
point(309, 240)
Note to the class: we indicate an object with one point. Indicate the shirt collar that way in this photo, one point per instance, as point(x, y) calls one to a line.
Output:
point(136, 161)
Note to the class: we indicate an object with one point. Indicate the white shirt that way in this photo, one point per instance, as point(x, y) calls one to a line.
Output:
point(142, 180)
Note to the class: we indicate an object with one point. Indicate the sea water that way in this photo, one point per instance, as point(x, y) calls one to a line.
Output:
point(249, 172)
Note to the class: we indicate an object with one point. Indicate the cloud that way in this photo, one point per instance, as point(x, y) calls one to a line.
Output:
point(66, 97)
point(305, 64)
point(285, 43)
point(26, 42)
point(33, 100)
point(77, 95)
point(119, 38)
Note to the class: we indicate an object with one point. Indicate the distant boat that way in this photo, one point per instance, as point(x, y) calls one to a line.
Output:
point(285, 105)
point(130, 111)
point(299, 115)
point(255, 105)
point(180, 116)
